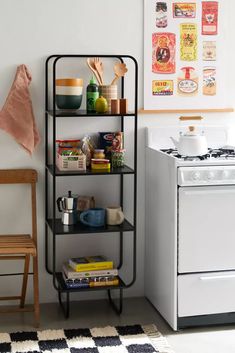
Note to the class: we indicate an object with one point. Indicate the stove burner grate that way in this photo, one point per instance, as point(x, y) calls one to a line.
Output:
point(217, 153)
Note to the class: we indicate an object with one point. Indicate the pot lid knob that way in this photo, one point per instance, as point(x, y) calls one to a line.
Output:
point(191, 128)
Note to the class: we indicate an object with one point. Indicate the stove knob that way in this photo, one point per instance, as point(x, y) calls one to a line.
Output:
point(195, 175)
point(210, 175)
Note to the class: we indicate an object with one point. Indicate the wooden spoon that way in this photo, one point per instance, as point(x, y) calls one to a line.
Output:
point(91, 65)
point(99, 68)
point(119, 70)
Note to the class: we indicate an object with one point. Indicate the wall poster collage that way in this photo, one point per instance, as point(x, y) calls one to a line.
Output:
point(185, 55)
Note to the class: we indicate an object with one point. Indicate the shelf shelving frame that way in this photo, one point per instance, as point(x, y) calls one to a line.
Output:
point(54, 226)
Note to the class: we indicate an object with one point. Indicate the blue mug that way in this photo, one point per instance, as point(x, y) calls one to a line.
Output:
point(94, 217)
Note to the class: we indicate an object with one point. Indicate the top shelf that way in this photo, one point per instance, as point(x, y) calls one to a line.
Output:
point(80, 113)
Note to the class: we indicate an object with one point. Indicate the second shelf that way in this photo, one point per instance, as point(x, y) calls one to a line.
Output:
point(80, 228)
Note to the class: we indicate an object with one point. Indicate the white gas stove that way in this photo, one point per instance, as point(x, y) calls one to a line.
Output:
point(190, 230)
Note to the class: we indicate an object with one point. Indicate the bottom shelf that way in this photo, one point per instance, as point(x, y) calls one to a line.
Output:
point(63, 288)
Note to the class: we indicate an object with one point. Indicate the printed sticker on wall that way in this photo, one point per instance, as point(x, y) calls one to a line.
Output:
point(188, 41)
point(209, 81)
point(209, 17)
point(209, 51)
point(161, 14)
point(162, 87)
point(187, 83)
point(184, 10)
point(163, 53)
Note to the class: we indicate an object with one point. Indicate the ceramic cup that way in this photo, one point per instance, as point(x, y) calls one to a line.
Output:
point(69, 93)
point(108, 92)
point(94, 217)
point(114, 216)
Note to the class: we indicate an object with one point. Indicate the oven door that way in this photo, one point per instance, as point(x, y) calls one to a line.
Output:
point(206, 228)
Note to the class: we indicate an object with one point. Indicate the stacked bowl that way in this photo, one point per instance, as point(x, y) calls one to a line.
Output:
point(69, 93)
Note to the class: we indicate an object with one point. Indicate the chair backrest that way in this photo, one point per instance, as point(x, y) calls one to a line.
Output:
point(23, 176)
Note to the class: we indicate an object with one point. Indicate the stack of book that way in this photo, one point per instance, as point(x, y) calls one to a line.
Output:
point(91, 271)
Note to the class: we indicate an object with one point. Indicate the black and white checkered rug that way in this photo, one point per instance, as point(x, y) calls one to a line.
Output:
point(110, 339)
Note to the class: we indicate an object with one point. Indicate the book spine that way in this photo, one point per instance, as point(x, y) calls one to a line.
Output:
point(91, 266)
point(87, 274)
point(115, 282)
point(92, 284)
point(77, 285)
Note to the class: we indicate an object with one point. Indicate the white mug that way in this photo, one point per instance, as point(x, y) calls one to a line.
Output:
point(114, 216)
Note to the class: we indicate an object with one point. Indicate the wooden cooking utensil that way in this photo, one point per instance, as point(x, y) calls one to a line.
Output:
point(99, 68)
point(91, 65)
point(119, 70)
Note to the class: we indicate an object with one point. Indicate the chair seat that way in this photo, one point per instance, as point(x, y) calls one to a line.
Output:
point(17, 244)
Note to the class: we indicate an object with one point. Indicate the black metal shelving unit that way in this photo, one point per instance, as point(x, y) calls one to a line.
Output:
point(53, 225)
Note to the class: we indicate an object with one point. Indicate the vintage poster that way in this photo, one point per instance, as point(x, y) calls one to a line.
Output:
point(209, 17)
point(163, 53)
point(184, 10)
point(161, 14)
point(209, 51)
point(188, 41)
point(162, 87)
point(209, 81)
point(186, 55)
point(187, 83)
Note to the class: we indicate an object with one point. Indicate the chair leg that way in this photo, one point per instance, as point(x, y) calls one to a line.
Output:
point(36, 291)
point(25, 281)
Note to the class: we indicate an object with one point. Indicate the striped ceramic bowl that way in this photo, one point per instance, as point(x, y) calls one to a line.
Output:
point(69, 93)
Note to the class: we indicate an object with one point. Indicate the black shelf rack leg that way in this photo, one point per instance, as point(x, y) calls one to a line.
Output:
point(65, 307)
point(116, 308)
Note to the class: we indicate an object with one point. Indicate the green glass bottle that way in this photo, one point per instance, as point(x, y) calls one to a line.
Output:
point(92, 93)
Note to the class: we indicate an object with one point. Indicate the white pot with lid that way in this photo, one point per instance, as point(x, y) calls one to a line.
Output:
point(191, 143)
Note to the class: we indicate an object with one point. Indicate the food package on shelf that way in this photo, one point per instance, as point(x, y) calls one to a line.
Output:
point(88, 149)
point(111, 141)
point(100, 164)
point(70, 155)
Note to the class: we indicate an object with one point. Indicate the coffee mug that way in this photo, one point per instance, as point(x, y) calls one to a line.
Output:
point(94, 217)
point(114, 216)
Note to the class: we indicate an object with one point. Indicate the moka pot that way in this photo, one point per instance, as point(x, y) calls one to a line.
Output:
point(68, 206)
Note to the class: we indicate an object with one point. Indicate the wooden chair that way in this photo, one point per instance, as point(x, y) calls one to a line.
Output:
point(22, 246)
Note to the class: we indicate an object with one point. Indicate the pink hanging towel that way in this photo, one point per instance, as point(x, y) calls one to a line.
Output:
point(16, 116)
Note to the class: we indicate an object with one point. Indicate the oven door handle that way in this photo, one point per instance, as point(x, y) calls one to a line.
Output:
point(209, 278)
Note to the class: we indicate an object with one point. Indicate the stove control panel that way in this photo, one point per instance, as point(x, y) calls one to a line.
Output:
point(213, 175)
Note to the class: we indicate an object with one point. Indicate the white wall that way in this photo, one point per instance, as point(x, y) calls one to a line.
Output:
point(31, 30)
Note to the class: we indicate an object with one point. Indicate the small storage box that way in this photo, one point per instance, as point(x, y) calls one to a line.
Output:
point(76, 162)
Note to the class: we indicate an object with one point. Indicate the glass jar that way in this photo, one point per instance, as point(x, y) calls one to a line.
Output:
point(99, 154)
point(117, 158)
